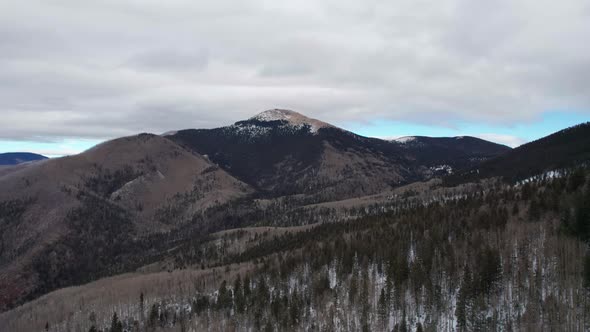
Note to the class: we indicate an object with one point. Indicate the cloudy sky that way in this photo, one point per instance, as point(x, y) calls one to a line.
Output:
point(75, 72)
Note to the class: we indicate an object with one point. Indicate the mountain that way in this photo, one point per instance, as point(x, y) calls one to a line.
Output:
point(566, 148)
point(284, 222)
point(493, 259)
point(15, 158)
point(126, 202)
point(281, 152)
point(71, 219)
point(450, 153)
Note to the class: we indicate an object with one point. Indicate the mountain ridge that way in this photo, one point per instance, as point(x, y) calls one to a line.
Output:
point(123, 190)
point(15, 158)
point(283, 152)
point(562, 149)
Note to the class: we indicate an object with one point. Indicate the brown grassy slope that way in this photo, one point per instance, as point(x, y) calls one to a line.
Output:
point(161, 173)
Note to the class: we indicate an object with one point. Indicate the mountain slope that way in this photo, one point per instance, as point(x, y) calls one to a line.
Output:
point(126, 202)
point(450, 153)
point(478, 262)
point(566, 148)
point(281, 152)
point(70, 219)
point(15, 158)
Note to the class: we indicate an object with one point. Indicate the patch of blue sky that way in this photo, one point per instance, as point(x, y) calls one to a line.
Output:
point(513, 135)
point(54, 148)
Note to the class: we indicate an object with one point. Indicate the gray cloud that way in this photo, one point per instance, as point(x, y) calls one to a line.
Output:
point(103, 69)
point(167, 59)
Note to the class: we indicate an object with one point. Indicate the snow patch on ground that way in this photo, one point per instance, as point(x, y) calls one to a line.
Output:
point(442, 168)
point(549, 175)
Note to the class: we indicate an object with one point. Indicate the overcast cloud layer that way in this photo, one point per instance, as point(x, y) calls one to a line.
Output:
point(99, 69)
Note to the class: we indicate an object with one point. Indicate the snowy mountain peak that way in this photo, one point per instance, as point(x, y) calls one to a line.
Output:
point(170, 133)
point(293, 118)
point(405, 139)
point(275, 115)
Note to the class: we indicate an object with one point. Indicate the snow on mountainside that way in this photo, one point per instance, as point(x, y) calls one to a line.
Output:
point(417, 139)
point(247, 130)
point(293, 118)
point(404, 139)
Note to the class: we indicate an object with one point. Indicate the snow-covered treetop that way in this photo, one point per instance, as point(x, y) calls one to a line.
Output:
point(293, 118)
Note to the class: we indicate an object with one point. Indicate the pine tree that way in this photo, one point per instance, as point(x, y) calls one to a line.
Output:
point(515, 209)
point(576, 179)
point(239, 295)
point(419, 327)
point(92, 319)
point(364, 300)
point(153, 318)
point(182, 319)
point(163, 316)
point(464, 300)
point(389, 281)
point(490, 269)
point(116, 325)
point(587, 271)
point(247, 290)
point(582, 216)
point(534, 210)
point(295, 308)
point(262, 293)
point(141, 307)
point(275, 305)
point(382, 308)
point(224, 300)
point(268, 327)
point(403, 326)
point(353, 289)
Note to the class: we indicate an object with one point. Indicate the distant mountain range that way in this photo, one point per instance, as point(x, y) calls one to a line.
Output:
point(126, 202)
point(15, 158)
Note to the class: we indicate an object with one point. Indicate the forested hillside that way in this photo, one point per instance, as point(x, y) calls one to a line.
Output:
point(202, 231)
point(507, 257)
point(563, 149)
